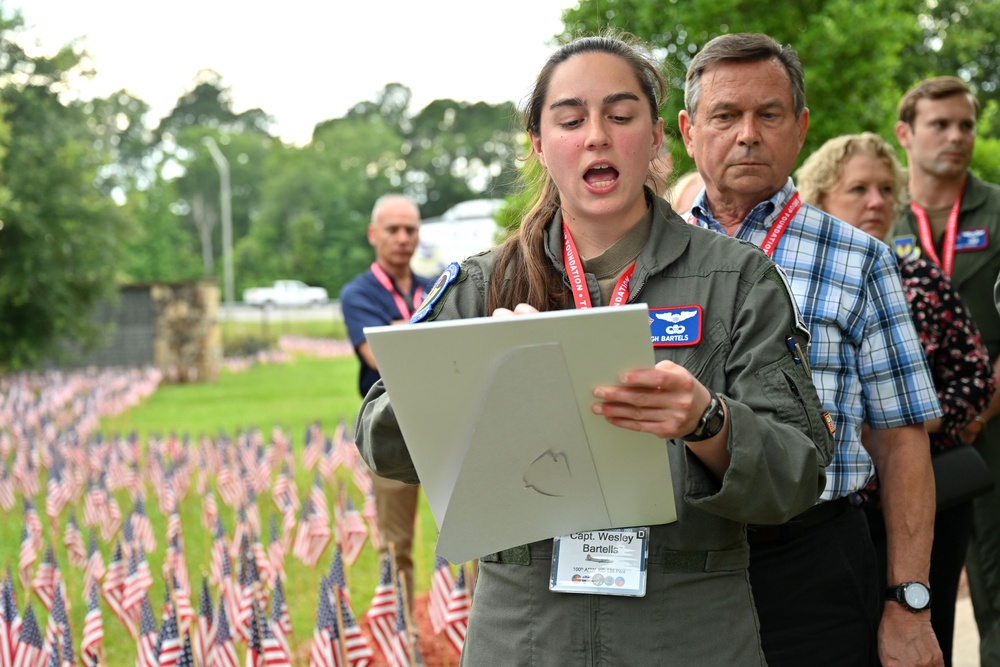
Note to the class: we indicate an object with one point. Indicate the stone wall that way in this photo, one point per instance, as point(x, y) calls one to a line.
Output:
point(187, 342)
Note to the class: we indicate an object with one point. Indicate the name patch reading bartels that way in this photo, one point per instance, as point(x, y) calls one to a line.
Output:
point(680, 325)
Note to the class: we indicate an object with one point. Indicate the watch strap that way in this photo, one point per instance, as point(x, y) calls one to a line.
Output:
point(898, 594)
point(711, 422)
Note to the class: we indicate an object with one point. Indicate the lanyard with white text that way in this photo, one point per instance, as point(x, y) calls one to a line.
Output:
point(779, 227)
point(578, 283)
point(385, 281)
point(781, 224)
point(950, 234)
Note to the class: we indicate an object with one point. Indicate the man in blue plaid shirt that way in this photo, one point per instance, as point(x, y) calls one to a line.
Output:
point(814, 579)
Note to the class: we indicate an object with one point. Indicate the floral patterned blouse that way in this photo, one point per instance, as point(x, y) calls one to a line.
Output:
point(955, 352)
point(959, 362)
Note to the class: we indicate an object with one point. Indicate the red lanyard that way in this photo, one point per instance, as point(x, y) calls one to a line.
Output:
point(385, 281)
point(780, 225)
point(578, 282)
point(950, 234)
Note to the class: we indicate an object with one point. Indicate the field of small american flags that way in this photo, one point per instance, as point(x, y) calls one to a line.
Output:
point(225, 524)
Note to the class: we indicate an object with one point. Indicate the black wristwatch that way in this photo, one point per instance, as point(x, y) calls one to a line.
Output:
point(913, 595)
point(711, 422)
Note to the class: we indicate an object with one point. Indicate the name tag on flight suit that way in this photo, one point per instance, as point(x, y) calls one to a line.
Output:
point(601, 562)
point(972, 239)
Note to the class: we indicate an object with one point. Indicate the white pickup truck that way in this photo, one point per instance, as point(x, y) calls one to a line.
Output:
point(285, 293)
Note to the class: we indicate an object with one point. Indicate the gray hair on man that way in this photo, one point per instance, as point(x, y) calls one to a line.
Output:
point(744, 47)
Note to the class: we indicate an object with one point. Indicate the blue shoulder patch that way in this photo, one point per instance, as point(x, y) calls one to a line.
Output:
point(449, 276)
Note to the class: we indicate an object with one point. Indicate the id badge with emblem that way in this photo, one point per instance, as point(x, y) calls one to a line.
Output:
point(601, 562)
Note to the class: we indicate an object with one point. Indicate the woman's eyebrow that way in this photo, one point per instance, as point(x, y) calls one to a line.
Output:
point(608, 99)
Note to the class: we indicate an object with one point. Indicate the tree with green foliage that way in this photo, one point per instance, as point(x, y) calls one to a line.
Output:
point(461, 151)
point(60, 235)
point(858, 57)
point(315, 204)
point(959, 38)
point(204, 112)
point(210, 103)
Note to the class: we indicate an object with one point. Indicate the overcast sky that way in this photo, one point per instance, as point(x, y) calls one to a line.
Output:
point(304, 61)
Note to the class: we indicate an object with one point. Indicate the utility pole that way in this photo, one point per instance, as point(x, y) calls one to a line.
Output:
point(225, 204)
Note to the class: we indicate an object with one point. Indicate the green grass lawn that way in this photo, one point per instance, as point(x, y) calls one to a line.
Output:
point(289, 395)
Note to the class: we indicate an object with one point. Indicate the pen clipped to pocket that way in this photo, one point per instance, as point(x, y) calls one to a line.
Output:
point(797, 354)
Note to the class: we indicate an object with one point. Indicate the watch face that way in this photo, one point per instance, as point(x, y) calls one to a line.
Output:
point(917, 596)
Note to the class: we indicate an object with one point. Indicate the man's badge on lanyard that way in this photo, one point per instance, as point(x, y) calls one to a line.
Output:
point(906, 247)
point(676, 326)
point(972, 239)
point(601, 562)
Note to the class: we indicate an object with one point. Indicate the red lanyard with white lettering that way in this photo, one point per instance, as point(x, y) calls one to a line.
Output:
point(781, 224)
point(385, 281)
point(578, 282)
point(950, 234)
point(779, 227)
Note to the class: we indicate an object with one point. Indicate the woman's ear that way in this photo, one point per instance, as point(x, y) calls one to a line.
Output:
point(536, 146)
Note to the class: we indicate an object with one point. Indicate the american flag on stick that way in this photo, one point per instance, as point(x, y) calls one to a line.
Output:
point(351, 531)
point(348, 635)
point(73, 541)
point(10, 622)
point(92, 646)
point(27, 558)
point(113, 589)
point(46, 577)
point(149, 638)
point(112, 520)
point(141, 527)
point(34, 524)
point(321, 651)
point(281, 620)
point(186, 658)
point(29, 651)
point(170, 641)
point(94, 569)
point(220, 553)
point(382, 612)
point(276, 551)
point(457, 614)
point(313, 446)
point(94, 504)
point(137, 582)
point(58, 625)
point(442, 582)
point(225, 650)
point(275, 652)
point(6, 488)
point(209, 510)
point(255, 647)
point(205, 637)
point(401, 642)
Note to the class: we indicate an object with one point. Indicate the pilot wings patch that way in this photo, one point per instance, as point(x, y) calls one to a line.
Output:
point(675, 326)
